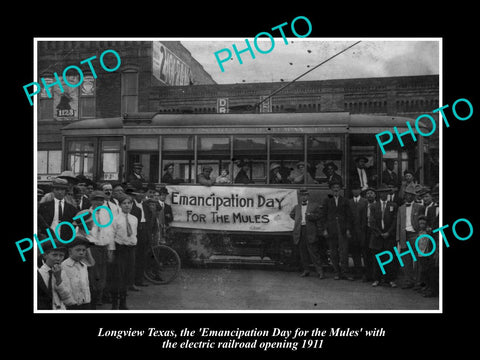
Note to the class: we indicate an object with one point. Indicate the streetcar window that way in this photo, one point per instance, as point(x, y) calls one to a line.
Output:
point(178, 150)
point(288, 152)
point(215, 152)
point(252, 149)
point(324, 156)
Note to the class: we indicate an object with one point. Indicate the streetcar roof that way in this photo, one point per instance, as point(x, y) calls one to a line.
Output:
point(330, 119)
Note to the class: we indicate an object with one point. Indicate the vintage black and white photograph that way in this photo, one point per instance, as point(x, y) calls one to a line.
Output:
point(264, 174)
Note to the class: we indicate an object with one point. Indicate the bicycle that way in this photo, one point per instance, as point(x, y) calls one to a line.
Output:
point(162, 262)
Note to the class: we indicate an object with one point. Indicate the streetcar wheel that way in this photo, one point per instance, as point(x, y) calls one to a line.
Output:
point(162, 264)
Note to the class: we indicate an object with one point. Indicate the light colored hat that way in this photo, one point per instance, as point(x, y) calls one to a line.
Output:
point(59, 183)
point(274, 166)
point(410, 189)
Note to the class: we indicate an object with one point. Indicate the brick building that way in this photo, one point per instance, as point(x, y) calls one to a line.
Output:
point(144, 65)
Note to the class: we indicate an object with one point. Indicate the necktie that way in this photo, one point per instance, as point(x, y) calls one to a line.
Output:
point(60, 211)
point(50, 278)
point(383, 212)
point(129, 227)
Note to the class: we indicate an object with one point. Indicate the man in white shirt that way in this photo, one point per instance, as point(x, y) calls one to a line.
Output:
point(361, 174)
point(102, 252)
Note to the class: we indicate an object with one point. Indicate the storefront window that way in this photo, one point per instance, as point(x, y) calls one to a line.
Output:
point(110, 160)
point(80, 157)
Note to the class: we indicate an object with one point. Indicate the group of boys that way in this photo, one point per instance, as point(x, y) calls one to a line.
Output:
point(371, 221)
point(101, 262)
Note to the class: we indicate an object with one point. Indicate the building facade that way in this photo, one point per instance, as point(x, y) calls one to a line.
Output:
point(144, 65)
point(163, 78)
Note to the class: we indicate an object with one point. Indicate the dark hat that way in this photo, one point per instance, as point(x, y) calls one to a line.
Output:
point(207, 167)
point(97, 194)
point(79, 240)
point(167, 165)
point(48, 246)
point(163, 190)
point(300, 163)
point(407, 171)
point(137, 164)
point(361, 157)
point(130, 190)
point(383, 188)
point(303, 191)
point(334, 182)
point(332, 164)
point(240, 163)
point(60, 183)
point(83, 179)
point(422, 217)
point(69, 176)
point(151, 186)
point(424, 190)
point(370, 189)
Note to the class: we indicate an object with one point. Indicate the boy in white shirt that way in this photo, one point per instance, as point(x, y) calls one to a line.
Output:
point(76, 269)
point(125, 238)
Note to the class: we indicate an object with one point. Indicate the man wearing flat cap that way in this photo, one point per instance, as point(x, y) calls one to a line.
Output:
point(58, 210)
point(136, 174)
point(407, 230)
point(167, 177)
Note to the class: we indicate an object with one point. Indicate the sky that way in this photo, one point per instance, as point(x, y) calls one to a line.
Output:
point(285, 62)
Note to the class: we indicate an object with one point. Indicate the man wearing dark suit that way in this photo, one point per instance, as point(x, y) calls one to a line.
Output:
point(136, 175)
point(361, 173)
point(384, 222)
point(407, 231)
point(390, 177)
point(142, 212)
point(335, 221)
point(358, 245)
point(58, 210)
point(306, 214)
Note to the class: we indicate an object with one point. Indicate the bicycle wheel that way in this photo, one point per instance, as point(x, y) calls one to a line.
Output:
point(162, 264)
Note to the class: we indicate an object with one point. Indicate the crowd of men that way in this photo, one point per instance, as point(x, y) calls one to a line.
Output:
point(372, 220)
point(101, 263)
